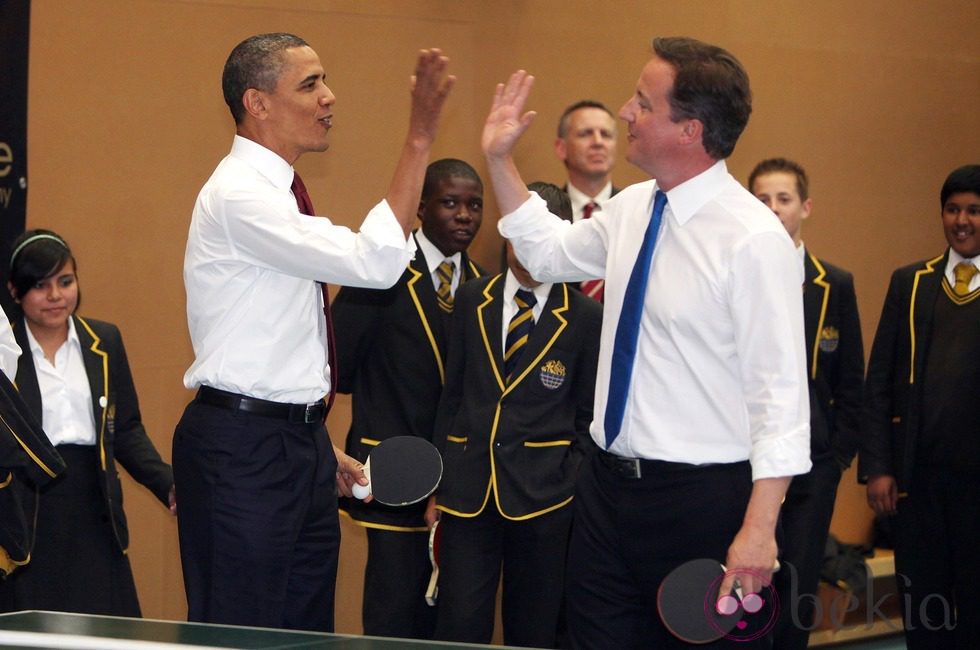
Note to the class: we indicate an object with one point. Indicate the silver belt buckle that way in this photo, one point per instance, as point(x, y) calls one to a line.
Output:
point(635, 463)
point(308, 414)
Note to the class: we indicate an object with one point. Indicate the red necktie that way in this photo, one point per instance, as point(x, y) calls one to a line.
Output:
point(305, 205)
point(592, 288)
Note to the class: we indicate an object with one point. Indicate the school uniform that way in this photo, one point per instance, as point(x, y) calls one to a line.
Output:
point(511, 452)
point(391, 358)
point(835, 370)
point(920, 427)
point(28, 462)
point(79, 560)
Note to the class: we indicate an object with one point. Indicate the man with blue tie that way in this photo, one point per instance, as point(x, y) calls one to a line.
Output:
point(701, 409)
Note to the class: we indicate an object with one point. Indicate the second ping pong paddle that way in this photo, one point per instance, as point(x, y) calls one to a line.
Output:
point(401, 471)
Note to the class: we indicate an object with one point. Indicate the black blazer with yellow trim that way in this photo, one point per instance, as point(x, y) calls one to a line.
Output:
point(28, 462)
point(517, 443)
point(391, 359)
point(896, 367)
point(835, 360)
point(120, 435)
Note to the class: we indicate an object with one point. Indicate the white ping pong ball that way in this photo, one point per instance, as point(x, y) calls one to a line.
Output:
point(361, 491)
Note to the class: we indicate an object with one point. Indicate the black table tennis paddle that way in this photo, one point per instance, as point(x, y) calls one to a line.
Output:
point(401, 471)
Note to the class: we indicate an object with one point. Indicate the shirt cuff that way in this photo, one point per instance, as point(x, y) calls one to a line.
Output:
point(524, 219)
point(786, 455)
point(383, 228)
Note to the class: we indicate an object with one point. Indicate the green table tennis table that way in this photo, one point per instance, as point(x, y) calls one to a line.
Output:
point(58, 631)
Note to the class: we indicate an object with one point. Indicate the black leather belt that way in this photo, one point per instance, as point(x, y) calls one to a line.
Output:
point(620, 465)
point(305, 413)
point(640, 467)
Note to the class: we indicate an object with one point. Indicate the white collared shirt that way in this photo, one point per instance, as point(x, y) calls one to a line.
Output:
point(9, 350)
point(581, 199)
point(720, 374)
point(251, 268)
point(954, 259)
point(66, 396)
point(511, 285)
point(434, 257)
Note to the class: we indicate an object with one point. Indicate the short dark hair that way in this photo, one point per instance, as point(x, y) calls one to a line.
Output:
point(961, 179)
point(557, 199)
point(446, 168)
point(785, 165)
point(37, 254)
point(584, 103)
point(710, 86)
point(256, 63)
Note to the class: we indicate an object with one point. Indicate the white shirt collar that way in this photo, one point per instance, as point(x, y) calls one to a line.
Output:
point(434, 257)
point(36, 349)
point(541, 292)
point(687, 198)
point(267, 162)
point(580, 198)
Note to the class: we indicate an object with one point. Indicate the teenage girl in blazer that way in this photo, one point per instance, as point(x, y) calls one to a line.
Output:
point(74, 376)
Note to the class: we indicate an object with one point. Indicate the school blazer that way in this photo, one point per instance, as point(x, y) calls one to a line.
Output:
point(120, 435)
point(391, 358)
point(28, 462)
point(835, 360)
point(519, 444)
point(893, 390)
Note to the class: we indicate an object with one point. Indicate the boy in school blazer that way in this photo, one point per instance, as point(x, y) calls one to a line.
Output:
point(835, 374)
point(391, 355)
point(511, 448)
point(920, 452)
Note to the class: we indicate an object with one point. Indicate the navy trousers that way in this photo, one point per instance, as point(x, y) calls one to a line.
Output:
point(257, 519)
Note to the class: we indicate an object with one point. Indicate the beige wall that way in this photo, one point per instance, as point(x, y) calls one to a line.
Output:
point(877, 99)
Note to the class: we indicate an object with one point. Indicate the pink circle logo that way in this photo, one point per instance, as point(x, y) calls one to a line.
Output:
point(759, 611)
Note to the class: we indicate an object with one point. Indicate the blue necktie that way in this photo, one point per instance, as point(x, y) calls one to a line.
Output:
point(628, 329)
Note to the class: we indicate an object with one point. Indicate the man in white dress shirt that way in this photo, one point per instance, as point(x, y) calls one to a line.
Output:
point(253, 464)
point(700, 425)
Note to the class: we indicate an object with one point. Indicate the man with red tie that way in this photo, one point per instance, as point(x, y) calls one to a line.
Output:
point(255, 469)
point(586, 144)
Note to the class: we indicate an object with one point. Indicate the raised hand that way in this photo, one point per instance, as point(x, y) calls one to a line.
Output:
point(507, 120)
point(430, 87)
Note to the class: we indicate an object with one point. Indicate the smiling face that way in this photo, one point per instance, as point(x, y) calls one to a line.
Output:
point(48, 304)
point(297, 115)
point(781, 194)
point(654, 139)
point(961, 223)
point(451, 215)
point(589, 144)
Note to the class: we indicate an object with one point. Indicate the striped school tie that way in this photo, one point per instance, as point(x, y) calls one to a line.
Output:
point(519, 330)
point(964, 272)
point(444, 294)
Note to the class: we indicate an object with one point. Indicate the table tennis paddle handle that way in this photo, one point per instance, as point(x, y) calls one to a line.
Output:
point(363, 491)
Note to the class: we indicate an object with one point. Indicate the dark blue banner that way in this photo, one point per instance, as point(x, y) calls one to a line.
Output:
point(14, 36)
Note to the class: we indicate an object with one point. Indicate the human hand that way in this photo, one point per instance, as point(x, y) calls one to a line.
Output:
point(751, 560)
point(883, 494)
point(350, 472)
point(507, 120)
point(431, 514)
point(430, 87)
